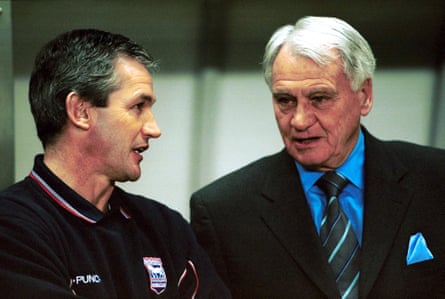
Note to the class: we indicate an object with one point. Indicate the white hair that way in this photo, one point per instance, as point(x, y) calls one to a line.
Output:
point(321, 39)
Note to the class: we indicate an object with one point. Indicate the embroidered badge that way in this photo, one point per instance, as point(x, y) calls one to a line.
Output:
point(156, 272)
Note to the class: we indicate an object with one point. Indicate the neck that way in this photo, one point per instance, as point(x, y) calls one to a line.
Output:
point(75, 170)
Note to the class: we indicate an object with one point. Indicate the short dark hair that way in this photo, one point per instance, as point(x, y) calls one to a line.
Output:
point(83, 61)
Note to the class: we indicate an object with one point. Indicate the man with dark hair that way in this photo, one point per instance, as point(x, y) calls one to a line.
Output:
point(67, 230)
point(337, 213)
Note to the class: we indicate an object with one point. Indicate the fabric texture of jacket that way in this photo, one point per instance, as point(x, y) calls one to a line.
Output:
point(55, 244)
point(256, 226)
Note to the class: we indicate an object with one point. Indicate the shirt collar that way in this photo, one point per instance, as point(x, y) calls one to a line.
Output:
point(352, 168)
point(67, 198)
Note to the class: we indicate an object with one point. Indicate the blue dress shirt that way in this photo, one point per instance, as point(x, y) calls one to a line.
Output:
point(351, 198)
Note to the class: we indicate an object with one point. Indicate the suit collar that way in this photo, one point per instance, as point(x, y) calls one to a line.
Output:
point(386, 202)
point(289, 218)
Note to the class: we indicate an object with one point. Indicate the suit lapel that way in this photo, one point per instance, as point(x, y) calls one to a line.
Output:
point(386, 202)
point(289, 218)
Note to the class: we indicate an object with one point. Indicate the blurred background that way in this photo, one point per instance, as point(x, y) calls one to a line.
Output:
point(213, 107)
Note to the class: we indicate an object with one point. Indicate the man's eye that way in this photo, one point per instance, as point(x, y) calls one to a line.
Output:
point(139, 106)
point(286, 104)
point(319, 99)
point(322, 101)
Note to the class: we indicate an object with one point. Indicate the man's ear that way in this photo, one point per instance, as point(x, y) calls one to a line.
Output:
point(78, 110)
point(366, 99)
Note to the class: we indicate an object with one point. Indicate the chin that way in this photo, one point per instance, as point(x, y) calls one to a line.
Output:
point(308, 161)
point(129, 177)
point(134, 177)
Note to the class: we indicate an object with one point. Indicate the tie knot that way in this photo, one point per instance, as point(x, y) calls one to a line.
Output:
point(332, 183)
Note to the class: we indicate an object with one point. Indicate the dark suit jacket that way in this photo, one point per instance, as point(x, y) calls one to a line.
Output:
point(256, 225)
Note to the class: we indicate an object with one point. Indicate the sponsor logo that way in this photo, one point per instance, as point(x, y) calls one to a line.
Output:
point(156, 272)
point(86, 279)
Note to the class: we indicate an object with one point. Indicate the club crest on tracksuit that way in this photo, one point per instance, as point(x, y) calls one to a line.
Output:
point(156, 272)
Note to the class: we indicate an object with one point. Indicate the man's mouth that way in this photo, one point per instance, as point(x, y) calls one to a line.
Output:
point(306, 140)
point(140, 150)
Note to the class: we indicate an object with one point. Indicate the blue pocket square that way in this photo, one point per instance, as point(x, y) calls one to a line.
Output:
point(418, 251)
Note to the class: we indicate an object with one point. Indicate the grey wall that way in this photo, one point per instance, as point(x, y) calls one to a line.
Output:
point(6, 97)
point(214, 108)
point(237, 126)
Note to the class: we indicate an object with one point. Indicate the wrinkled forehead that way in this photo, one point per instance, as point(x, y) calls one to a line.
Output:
point(321, 54)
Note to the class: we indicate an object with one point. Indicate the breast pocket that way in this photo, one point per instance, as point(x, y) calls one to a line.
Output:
point(425, 279)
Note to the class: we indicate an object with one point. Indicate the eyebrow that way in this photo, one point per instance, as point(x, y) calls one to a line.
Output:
point(148, 98)
point(322, 90)
point(282, 93)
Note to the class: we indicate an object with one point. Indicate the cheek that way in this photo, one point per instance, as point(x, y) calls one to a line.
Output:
point(343, 131)
point(107, 138)
point(283, 122)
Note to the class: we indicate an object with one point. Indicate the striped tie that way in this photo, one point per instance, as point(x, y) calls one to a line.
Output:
point(338, 237)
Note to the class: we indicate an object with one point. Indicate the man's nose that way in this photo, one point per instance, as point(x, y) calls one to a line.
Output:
point(303, 117)
point(150, 128)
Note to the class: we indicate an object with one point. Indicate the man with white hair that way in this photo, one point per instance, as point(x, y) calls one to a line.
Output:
point(337, 213)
